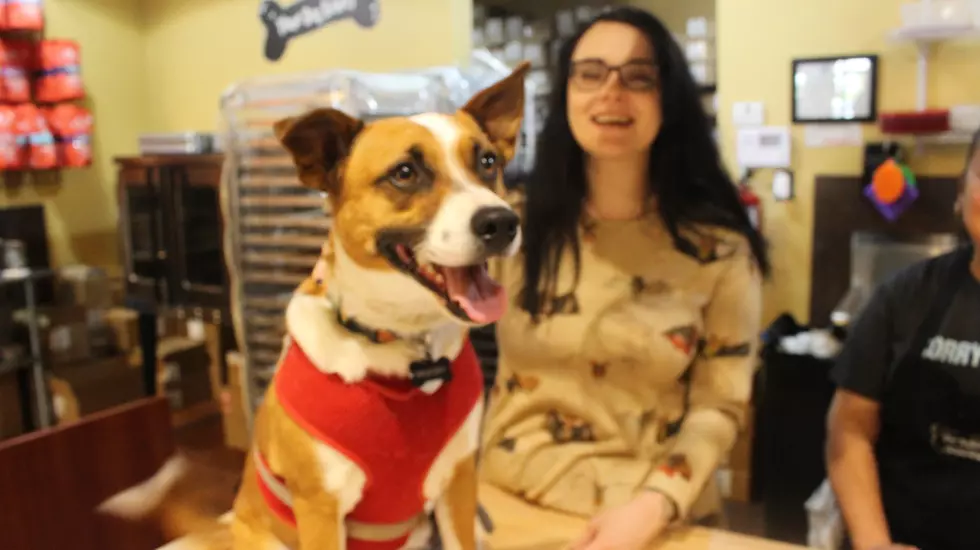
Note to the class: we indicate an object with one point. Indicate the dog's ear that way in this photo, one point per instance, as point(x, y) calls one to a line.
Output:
point(499, 110)
point(319, 142)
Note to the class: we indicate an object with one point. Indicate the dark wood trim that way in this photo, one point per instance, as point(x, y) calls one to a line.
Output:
point(163, 281)
point(53, 479)
point(168, 160)
point(840, 209)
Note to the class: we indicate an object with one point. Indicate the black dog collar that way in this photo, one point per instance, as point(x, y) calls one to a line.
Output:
point(422, 371)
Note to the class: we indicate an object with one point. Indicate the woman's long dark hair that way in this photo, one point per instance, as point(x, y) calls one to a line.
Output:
point(686, 171)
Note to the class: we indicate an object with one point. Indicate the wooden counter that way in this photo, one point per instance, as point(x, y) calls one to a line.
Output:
point(520, 526)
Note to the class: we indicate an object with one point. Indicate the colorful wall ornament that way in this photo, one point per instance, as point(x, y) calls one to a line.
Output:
point(892, 190)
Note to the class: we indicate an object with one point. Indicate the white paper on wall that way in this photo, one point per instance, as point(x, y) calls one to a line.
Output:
point(764, 147)
point(833, 135)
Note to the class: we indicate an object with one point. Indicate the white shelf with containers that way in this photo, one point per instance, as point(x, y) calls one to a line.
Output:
point(512, 38)
point(925, 24)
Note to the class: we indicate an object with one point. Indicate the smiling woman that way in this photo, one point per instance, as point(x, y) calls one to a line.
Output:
point(903, 446)
point(626, 366)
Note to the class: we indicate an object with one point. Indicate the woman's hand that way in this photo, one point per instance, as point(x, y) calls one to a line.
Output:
point(892, 546)
point(632, 526)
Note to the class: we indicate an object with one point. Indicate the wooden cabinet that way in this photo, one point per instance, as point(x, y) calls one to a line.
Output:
point(170, 228)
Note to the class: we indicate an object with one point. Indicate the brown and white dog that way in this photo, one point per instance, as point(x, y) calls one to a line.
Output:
point(366, 430)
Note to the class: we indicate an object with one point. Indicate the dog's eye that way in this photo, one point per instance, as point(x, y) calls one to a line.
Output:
point(403, 175)
point(488, 164)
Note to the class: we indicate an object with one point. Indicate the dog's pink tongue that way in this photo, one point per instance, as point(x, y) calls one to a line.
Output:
point(483, 300)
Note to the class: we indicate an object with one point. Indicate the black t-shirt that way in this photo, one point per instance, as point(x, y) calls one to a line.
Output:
point(888, 324)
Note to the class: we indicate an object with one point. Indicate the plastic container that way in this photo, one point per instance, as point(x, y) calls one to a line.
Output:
point(964, 118)
point(937, 13)
point(700, 27)
point(932, 121)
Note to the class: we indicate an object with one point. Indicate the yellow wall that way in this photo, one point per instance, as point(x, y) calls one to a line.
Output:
point(81, 209)
point(674, 13)
point(757, 39)
point(190, 62)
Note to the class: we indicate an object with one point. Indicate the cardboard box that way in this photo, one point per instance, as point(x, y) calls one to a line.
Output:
point(86, 286)
point(232, 410)
point(124, 329)
point(236, 364)
point(735, 485)
point(236, 430)
point(100, 337)
point(183, 373)
point(170, 326)
point(84, 387)
point(64, 333)
point(67, 343)
point(740, 457)
point(214, 343)
point(741, 486)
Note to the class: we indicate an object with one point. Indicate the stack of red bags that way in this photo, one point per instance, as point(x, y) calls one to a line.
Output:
point(46, 134)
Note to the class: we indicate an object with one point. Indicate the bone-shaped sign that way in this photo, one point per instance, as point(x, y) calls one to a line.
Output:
point(284, 24)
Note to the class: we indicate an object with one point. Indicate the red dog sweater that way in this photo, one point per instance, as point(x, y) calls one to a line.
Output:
point(392, 430)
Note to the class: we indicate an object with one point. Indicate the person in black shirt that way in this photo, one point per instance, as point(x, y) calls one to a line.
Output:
point(903, 446)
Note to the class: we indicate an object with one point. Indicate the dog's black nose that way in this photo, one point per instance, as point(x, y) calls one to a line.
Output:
point(496, 227)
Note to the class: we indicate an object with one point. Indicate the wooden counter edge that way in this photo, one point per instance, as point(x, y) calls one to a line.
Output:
point(519, 525)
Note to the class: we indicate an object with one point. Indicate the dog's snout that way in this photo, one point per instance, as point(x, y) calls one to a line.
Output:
point(496, 227)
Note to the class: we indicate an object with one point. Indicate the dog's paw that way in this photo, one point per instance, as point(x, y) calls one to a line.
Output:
point(140, 501)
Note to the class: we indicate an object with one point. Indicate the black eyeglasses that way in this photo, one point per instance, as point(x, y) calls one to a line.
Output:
point(591, 74)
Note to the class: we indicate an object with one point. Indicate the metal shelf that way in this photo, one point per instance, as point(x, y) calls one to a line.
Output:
point(924, 37)
point(34, 361)
point(929, 34)
point(15, 364)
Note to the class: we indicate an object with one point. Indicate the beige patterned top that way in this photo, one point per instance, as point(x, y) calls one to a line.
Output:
point(638, 378)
